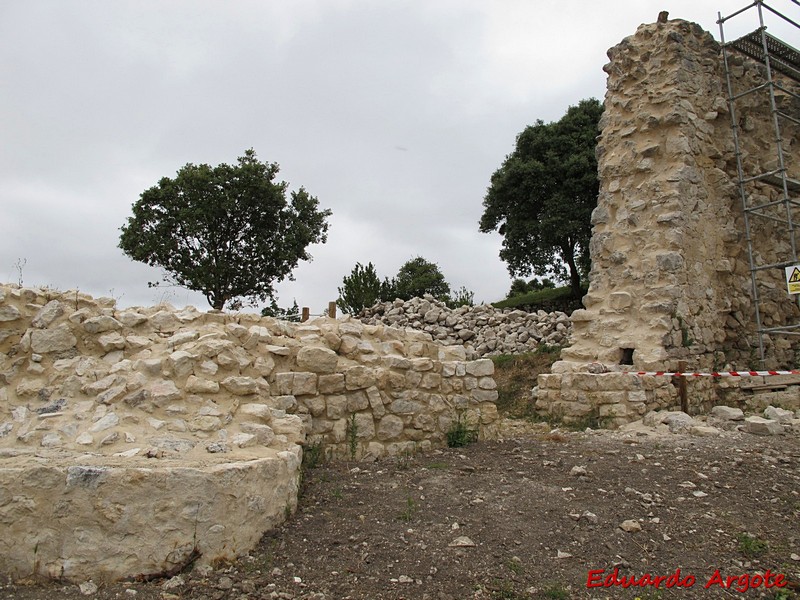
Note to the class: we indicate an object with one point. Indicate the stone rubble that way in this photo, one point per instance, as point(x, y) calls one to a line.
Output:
point(721, 419)
point(483, 330)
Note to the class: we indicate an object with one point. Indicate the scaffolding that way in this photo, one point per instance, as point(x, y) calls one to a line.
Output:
point(782, 63)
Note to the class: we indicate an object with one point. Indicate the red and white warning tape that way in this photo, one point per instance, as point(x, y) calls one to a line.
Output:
point(714, 373)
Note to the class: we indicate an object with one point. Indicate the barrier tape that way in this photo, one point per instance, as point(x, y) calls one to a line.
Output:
point(714, 373)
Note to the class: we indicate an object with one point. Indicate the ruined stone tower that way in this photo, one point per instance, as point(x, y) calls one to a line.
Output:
point(670, 278)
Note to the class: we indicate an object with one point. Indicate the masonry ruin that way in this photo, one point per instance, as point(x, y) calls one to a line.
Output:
point(135, 441)
point(672, 275)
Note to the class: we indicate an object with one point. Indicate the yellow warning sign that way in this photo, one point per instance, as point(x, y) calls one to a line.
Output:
point(793, 279)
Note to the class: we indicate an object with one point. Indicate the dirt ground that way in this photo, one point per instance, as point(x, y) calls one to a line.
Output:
point(538, 515)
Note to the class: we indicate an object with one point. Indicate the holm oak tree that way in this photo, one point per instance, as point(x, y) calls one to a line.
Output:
point(227, 231)
point(541, 198)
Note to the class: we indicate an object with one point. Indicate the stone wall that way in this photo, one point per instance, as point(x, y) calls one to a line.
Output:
point(200, 415)
point(670, 279)
point(483, 330)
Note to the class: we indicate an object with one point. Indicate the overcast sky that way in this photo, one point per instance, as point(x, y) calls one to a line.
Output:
point(393, 113)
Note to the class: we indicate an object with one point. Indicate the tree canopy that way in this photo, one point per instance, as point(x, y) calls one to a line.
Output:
point(418, 277)
point(226, 231)
point(415, 278)
point(362, 289)
point(541, 198)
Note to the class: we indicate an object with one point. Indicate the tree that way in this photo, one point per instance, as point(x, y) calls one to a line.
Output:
point(362, 289)
point(461, 297)
point(418, 277)
point(287, 314)
point(541, 198)
point(520, 287)
point(226, 231)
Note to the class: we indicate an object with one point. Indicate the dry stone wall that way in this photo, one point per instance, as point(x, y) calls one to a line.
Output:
point(181, 432)
point(483, 330)
point(670, 282)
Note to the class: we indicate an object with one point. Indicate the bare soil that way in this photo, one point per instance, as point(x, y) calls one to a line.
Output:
point(538, 515)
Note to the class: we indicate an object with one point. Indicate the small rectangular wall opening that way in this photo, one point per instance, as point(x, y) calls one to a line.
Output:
point(626, 356)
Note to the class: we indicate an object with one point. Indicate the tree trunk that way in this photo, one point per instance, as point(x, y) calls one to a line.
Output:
point(574, 274)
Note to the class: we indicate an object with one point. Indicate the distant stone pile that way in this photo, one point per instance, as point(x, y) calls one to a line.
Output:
point(483, 329)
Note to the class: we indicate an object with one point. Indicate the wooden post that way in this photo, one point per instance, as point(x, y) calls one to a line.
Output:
point(332, 310)
point(681, 384)
point(304, 317)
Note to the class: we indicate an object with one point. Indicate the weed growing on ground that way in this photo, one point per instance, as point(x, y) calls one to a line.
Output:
point(312, 455)
point(515, 566)
point(503, 590)
point(751, 546)
point(352, 436)
point(409, 511)
point(556, 591)
point(460, 433)
point(438, 465)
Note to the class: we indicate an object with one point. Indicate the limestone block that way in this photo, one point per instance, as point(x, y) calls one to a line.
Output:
point(287, 402)
point(376, 402)
point(164, 321)
point(487, 383)
point(359, 377)
point(424, 421)
point(163, 392)
point(205, 423)
point(47, 314)
point(316, 405)
point(620, 300)
point(264, 434)
point(364, 426)
point(106, 422)
point(233, 358)
point(58, 339)
point(430, 381)
point(101, 324)
point(331, 384)
point(317, 360)
point(336, 407)
point(180, 363)
point(704, 431)
point(131, 318)
point(488, 412)
point(95, 387)
point(479, 395)
point(727, 413)
point(30, 387)
point(761, 426)
point(112, 395)
point(396, 362)
point(256, 410)
point(357, 401)
point(9, 313)
point(264, 365)
point(240, 385)
point(196, 385)
point(389, 427)
point(480, 368)
point(778, 414)
point(421, 364)
point(290, 426)
point(613, 410)
point(181, 337)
